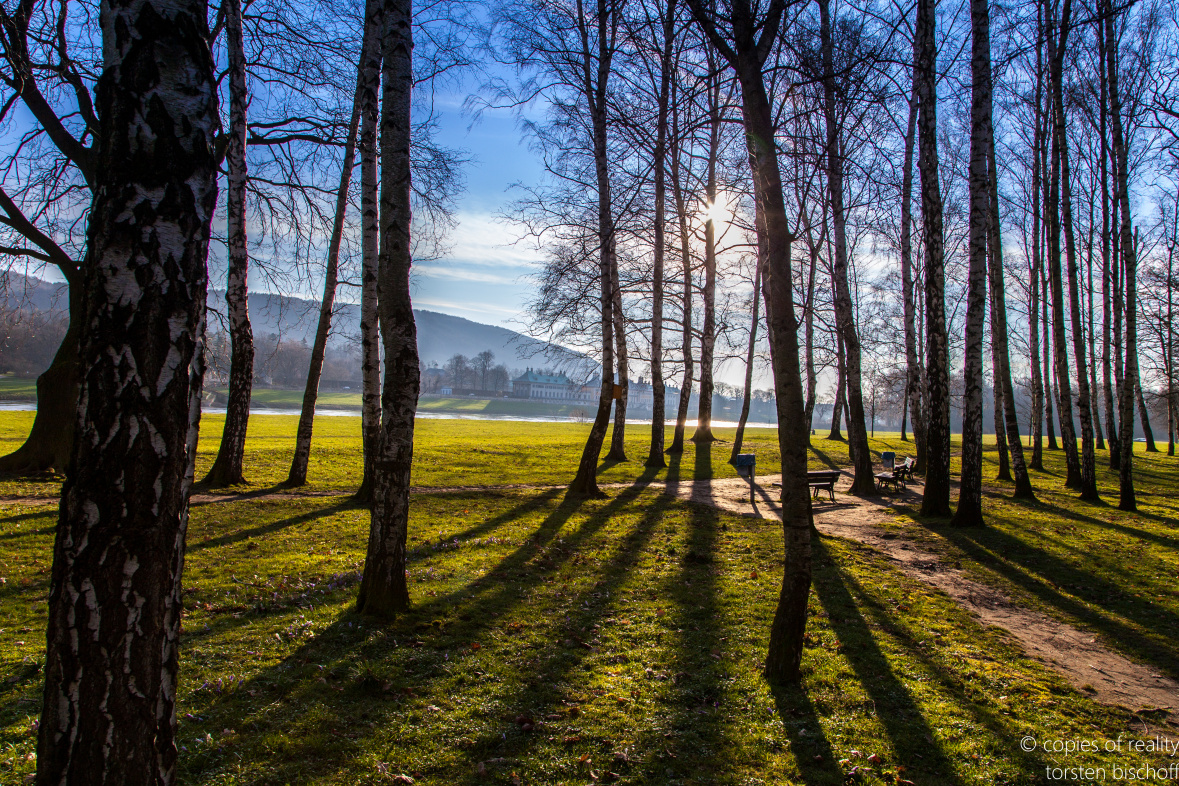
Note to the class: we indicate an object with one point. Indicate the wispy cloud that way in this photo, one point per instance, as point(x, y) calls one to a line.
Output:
point(453, 272)
point(484, 239)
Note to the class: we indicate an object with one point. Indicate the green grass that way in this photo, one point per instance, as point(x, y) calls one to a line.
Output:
point(447, 452)
point(627, 634)
point(17, 389)
point(548, 641)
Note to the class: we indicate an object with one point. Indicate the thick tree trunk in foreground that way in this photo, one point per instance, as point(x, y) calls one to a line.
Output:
point(864, 481)
point(109, 709)
point(383, 588)
point(585, 482)
point(969, 512)
point(298, 474)
point(784, 658)
point(370, 241)
point(227, 468)
point(936, 499)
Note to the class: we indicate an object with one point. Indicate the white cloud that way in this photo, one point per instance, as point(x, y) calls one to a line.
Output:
point(485, 239)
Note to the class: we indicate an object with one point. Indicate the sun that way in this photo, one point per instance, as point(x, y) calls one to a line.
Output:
point(719, 212)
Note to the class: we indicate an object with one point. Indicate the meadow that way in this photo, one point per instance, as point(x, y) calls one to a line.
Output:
point(613, 641)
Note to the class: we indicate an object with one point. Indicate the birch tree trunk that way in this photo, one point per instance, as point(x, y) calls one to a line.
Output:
point(681, 417)
point(227, 468)
point(703, 431)
point(621, 356)
point(298, 473)
point(585, 483)
point(658, 416)
point(1129, 254)
point(864, 482)
point(812, 381)
point(750, 353)
point(913, 393)
point(370, 217)
point(1057, 40)
point(1036, 259)
point(109, 704)
point(936, 499)
point(1106, 259)
point(1049, 369)
point(383, 588)
point(840, 383)
point(969, 512)
point(1088, 478)
point(1001, 351)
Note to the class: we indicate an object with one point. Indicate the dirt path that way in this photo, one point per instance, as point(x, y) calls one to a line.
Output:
point(1076, 654)
point(1103, 674)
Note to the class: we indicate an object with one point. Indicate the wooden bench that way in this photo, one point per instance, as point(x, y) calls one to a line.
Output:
point(895, 478)
point(823, 479)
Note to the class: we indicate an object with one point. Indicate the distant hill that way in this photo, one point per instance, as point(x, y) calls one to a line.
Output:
point(440, 336)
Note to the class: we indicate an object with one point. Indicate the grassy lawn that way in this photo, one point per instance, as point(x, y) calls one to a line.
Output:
point(616, 641)
point(620, 640)
point(447, 452)
point(17, 389)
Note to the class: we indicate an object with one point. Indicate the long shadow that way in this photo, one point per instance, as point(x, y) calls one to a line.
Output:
point(694, 689)
point(50, 512)
point(702, 469)
point(823, 457)
point(1013, 558)
point(273, 526)
point(530, 505)
point(947, 679)
point(471, 612)
point(901, 716)
point(237, 496)
point(1072, 515)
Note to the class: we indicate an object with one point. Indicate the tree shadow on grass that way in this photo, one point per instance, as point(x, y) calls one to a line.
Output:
point(823, 457)
point(431, 654)
point(47, 512)
point(900, 715)
point(271, 527)
point(1041, 574)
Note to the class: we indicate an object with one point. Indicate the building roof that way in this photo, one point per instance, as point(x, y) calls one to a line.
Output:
point(542, 379)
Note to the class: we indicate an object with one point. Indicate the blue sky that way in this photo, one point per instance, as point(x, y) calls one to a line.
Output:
point(485, 276)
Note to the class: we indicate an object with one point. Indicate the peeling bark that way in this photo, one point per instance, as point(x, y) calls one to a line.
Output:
point(936, 499)
point(383, 588)
point(370, 335)
point(109, 708)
